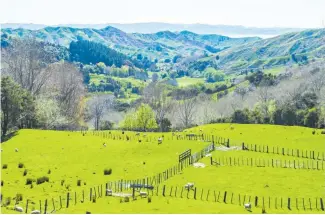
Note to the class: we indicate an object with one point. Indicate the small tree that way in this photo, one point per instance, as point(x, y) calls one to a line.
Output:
point(145, 118)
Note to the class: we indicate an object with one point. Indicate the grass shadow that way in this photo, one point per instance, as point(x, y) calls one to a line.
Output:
point(8, 136)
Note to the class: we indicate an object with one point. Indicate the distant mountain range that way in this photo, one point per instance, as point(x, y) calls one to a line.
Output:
point(153, 27)
point(160, 45)
point(222, 52)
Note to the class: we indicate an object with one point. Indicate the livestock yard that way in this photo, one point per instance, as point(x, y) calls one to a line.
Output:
point(231, 168)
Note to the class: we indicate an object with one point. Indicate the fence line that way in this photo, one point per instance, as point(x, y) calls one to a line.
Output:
point(257, 162)
point(284, 151)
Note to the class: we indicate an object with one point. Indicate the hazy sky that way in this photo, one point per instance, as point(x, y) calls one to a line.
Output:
point(258, 13)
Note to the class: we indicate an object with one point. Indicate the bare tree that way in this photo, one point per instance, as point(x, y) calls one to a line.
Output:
point(156, 96)
point(97, 107)
point(26, 62)
point(67, 84)
point(185, 110)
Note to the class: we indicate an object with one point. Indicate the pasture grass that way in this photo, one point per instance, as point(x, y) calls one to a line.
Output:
point(78, 162)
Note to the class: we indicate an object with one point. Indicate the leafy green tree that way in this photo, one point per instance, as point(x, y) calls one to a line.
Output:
point(241, 116)
point(212, 75)
point(129, 122)
point(16, 106)
point(311, 118)
point(145, 118)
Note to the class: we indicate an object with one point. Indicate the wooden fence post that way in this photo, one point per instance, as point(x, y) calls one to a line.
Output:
point(256, 201)
point(164, 187)
point(321, 204)
point(53, 204)
point(289, 207)
point(83, 196)
point(40, 206)
point(195, 193)
point(26, 206)
point(232, 195)
point(68, 198)
point(60, 202)
point(211, 160)
point(201, 193)
point(215, 198)
point(45, 206)
point(218, 196)
point(225, 197)
point(90, 194)
point(182, 192)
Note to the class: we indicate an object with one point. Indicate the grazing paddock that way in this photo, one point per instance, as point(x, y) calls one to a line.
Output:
point(56, 166)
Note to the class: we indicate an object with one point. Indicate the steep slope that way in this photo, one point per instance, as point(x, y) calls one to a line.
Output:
point(278, 51)
point(159, 45)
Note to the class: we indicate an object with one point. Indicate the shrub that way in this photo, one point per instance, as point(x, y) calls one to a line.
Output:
point(79, 183)
point(25, 172)
point(31, 186)
point(313, 132)
point(29, 181)
point(4, 166)
point(107, 171)
point(85, 183)
point(49, 172)
point(126, 199)
point(323, 132)
point(19, 197)
point(8, 201)
point(20, 165)
point(149, 199)
point(43, 179)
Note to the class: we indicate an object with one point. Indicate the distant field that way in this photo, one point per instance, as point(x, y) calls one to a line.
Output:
point(70, 156)
point(274, 71)
point(186, 81)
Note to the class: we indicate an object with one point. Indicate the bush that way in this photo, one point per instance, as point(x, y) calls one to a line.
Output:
point(29, 181)
point(107, 171)
point(149, 199)
point(19, 197)
point(8, 201)
point(323, 132)
point(62, 182)
point(4, 166)
point(126, 199)
point(25, 172)
point(313, 132)
point(43, 179)
point(79, 183)
point(20, 165)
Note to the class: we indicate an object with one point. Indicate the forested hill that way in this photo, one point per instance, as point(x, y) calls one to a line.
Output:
point(154, 45)
point(282, 50)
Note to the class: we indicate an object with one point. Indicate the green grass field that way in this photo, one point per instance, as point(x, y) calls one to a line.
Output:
point(186, 81)
point(70, 156)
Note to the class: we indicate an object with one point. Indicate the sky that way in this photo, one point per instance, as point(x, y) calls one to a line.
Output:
point(250, 13)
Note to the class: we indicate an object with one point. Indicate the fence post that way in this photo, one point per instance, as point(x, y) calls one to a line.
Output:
point(211, 160)
point(243, 146)
point(26, 206)
point(83, 196)
point(282, 151)
point(164, 190)
point(232, 195)
point(256, 201)
point(45, 206)
point(68, 197)
point(182, 192)
point(289, 204)
point(53, 203)
point(228, 143)
point(215, 198)
point(90, 194)
point(321, 204)
point(60, 202)
point(267, 149)
point(40, 206)
point(195, 193)
point(225, 197)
